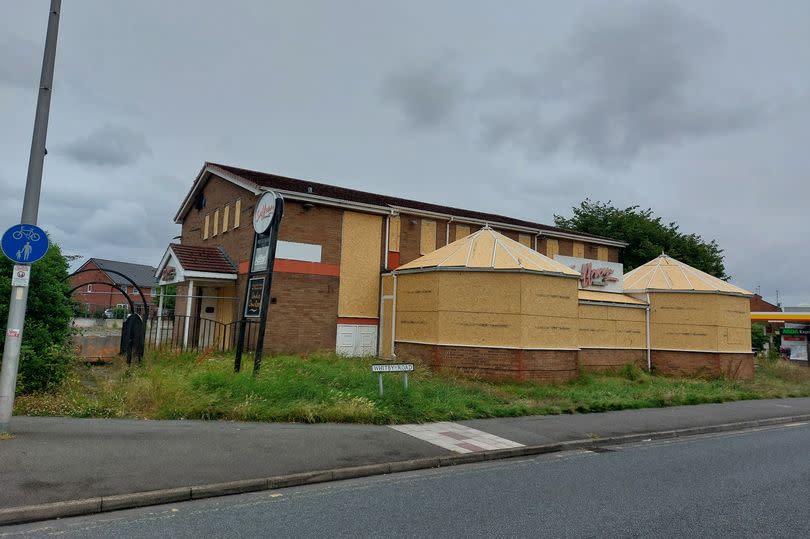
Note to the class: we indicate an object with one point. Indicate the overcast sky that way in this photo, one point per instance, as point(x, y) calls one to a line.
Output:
point(698, 109)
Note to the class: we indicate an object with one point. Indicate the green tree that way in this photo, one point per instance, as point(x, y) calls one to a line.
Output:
point(758, 337)
point(46, 353)
point(647, 236)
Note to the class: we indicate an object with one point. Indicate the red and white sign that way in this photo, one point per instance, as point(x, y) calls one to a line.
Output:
point(263, 214)
point(596, 274)
point(21, 275)
point(12, 332)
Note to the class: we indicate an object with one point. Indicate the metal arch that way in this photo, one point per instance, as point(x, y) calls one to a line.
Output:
point(143, 298)
point(131, 305)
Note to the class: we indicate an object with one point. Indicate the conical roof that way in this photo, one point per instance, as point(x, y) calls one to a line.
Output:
point(667, 274)
point(488, 250)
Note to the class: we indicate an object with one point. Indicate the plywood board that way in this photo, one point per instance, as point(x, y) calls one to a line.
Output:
point(418, 291)
point(359, 292)
point(594, 333)
point(526, 240)
point(394, 225)
point(549, 332)
point(479, 292)
point(552, 248)
point(626, 313)
point(427, 243)
point(597, 312)
point(481, 254)
point(388, 285)
point(672, 308)
point(479, 329)
point(579, 250)
point(683, 337)
point(462, 231)
point(417, 326)
point(631, 334)
point(544, 294)
point(733, 339)
point(602, 253)
point(386, 327)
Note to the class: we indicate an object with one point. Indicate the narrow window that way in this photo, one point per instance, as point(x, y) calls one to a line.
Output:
point(216, 222)
point(462, 231)
point(226, 214)
point(525, 239)
point(205, 227)
point(579, 250)
point(427, 242)
point(237, 212)
point(552, 248)
point(89, 288)
point(602, 253)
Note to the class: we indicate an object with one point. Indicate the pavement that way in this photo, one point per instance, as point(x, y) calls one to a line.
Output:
point(79, 466)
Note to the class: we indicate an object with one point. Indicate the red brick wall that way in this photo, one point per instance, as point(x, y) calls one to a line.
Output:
point(101, 296)
point(554, 366)
point(602, 359)
point(759, 305)
point(703, 364)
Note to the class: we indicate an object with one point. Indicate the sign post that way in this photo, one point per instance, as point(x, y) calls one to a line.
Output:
point(404, 368)
point(30, 247)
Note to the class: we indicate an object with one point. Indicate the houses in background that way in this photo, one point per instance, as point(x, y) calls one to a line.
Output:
point(100, 287)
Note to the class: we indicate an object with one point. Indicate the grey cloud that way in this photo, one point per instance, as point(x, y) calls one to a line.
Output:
point(427, 95)
point(20, 61)
point(112, 146)
point(626, 81)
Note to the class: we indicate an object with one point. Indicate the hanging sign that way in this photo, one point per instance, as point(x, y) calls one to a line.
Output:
point(253, 301)
point(263, 214)
point(24, 244)
point(596, 274)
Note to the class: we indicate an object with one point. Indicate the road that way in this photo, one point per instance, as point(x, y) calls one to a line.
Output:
point(747, 484)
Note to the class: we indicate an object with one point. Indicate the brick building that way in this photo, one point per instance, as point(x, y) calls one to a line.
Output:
point(97, 288)
point(334, 245)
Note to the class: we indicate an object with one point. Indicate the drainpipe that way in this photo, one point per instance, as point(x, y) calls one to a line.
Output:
point(447, 232)
point(189, 298)
point(649, 359)
point(387, 228)
point(536, 237)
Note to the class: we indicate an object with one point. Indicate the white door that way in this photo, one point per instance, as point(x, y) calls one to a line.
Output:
point(356, 341)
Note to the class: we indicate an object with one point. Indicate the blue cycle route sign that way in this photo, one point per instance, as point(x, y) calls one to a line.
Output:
point(24, 244)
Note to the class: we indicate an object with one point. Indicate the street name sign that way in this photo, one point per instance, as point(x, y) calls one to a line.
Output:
point(24, 244)
point(392, 367)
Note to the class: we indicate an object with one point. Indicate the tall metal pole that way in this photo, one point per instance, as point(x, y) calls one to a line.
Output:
point(30, 211)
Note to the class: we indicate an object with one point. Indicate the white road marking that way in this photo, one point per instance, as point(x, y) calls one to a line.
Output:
point(456, 437)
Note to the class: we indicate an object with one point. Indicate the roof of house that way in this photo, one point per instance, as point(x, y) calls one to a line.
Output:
point(489, 250)
point(306, 187)
point(142, 274)
point(209, 259)
point(664, 273)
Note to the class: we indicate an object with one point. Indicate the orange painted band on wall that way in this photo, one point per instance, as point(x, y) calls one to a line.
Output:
point(393, 260)
point(296, 266)
point(358, 321)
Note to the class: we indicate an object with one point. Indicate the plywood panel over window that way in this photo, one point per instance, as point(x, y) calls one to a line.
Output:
point(428, 238)
point(526, 240)
point(602, 253)
point(237, 213)
point(462, 231)
point(205, 227)
point(216, 222)
point(552, 248)
point(226, 217)
point(359, 292)
point(579, 250)
point(394, 224)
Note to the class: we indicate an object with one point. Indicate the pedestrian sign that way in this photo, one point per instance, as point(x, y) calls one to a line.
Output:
point(24, 244)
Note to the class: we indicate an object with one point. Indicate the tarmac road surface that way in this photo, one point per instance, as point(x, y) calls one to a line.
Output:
point(754, 483)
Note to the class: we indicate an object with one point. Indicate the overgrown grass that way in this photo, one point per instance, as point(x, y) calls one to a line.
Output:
point(328, 388)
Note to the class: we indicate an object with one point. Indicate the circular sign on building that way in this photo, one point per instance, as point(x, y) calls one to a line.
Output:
point(24, 244)
point(263, 214)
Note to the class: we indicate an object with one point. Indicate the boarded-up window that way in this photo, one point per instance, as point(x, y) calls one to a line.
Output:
point(226, 214)
point(526, 240)
point(205, 227)
point(552, 248)
point(579, 250)
point(462, 231)
point(216, 223)
point(393, 233)
point(237, 213)
point(602, 253)
point(359, 291)
point(428, 240)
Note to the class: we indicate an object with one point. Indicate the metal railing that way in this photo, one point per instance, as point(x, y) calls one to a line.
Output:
point(179, 332)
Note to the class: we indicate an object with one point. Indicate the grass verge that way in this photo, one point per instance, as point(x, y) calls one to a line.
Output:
point(328, 388)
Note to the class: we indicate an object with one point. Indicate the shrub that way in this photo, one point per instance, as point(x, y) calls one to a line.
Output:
point(45, 354)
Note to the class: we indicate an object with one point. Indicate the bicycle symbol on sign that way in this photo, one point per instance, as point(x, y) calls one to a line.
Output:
point(25, 233)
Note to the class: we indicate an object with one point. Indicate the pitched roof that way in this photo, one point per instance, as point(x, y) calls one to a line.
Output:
point(306, 187)
point(608, 297)
point(142, 274)
point(209, 259)
point(667, 274)
point(489, 250)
